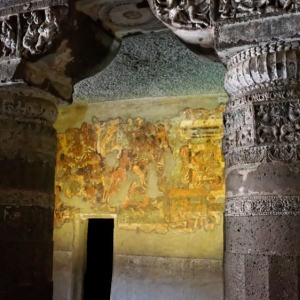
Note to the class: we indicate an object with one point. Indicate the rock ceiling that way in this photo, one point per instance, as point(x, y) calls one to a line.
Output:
point(152, 65)
point(155, 64)
point(122, 17)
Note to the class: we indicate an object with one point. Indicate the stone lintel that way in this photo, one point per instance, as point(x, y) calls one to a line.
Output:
point(232, 38)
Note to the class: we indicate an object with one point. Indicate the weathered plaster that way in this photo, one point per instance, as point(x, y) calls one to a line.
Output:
point(152, 109)
point(134, 186)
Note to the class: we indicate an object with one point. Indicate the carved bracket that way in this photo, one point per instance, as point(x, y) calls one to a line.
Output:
point(191, 21)
point(44, 44)
point(30, 33)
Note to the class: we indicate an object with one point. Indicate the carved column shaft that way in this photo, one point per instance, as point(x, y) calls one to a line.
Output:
point(44, 49)
point(262, 151)
point(27, 163)
point(262, 135)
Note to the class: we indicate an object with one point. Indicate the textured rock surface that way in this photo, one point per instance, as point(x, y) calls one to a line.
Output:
point(154, 65)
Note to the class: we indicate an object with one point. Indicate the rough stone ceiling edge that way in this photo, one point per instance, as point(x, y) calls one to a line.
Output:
point(152, 65)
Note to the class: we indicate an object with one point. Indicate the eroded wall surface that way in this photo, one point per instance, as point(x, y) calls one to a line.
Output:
point(159, 173)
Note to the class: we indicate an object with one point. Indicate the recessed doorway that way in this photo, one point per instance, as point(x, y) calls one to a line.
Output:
point(99, 259)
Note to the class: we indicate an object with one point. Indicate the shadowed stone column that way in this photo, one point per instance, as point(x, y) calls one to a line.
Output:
point(262, 150)
point(27, 164)
point(46, 46)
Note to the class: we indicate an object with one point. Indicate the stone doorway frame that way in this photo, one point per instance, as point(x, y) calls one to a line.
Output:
point(79, 248)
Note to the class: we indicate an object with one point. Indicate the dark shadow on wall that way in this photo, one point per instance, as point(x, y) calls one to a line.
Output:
point(99, 261)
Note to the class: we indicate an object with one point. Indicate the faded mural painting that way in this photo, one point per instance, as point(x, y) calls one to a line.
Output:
point(154, 176)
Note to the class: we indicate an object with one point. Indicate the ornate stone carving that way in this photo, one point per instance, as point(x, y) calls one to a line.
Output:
point(39, 30)
point(278, 122)
point(260, 124)
point(246, 156)
point(48, 30)
point(285, 153)
point(262, 49)
point(264, 96)
point(8, 36)
point(184, 13)
point(191, 21)
point(239, 130)
point(243, 8)
point(31, 36)
point(42, 29)
point(263, 72)
point(263, 205)
point(237, 119)
point(254, 155)
point(43, 43)
point(273, 114)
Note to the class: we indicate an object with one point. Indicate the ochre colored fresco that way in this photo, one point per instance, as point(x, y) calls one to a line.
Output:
point(154, 176)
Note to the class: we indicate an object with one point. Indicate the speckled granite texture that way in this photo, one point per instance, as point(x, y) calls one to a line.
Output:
point(154, 65)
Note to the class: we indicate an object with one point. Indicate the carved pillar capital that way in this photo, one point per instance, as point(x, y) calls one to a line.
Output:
point(50, 45)
point(229, 26)
point(268, 67)
point(191, 21)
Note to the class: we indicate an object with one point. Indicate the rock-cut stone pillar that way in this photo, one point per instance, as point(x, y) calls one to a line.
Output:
point(27, 164)
point(262, 151)
point(43, 53)
point(259, 43)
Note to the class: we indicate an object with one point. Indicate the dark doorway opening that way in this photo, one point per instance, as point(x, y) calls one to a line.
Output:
point(99, 260)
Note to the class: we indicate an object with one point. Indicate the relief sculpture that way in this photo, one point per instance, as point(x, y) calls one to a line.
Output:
point(47, 31)
point(41, 31)
point(8, 37)
point(273, 131)
point(269, 121)
point(290, 130)
point(231, 7)
point(38, 30)
point(30, 39)
point(278, 122)
point(154, 176)
point(238, 126)
point(235, 8)
point(187, 13)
